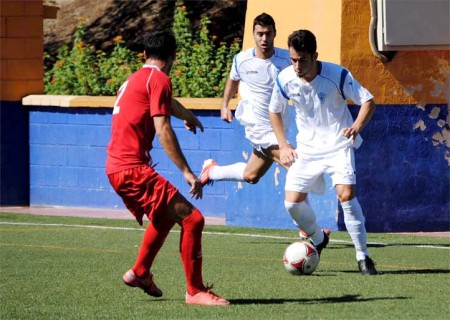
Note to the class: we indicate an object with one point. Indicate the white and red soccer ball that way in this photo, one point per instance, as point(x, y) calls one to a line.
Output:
point(301, 258)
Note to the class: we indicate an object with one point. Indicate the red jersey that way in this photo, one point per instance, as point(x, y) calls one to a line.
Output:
point(146, 93)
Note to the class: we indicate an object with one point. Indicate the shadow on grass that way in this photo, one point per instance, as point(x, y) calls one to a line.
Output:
point(343, 299)
point(411, 271)
point(342, 245)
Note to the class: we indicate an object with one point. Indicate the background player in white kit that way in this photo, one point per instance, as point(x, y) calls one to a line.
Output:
point(327, 137)
point(255, 70)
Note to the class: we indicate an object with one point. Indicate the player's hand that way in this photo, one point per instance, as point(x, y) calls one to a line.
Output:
point(288, 156)
point(226, 115)
point(196, 186)
point(193, 124)
point(350, 133)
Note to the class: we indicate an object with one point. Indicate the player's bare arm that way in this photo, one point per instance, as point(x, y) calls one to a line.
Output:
point(230, 91)
point(191, 122)
point(365, 114)
point(287, 152)
point(169, 142)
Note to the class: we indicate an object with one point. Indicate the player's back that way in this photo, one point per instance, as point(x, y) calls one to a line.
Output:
point(145, 93)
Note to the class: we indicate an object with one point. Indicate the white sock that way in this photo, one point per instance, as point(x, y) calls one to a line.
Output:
point(354, 222)
point(305, 219)
point(232, 172)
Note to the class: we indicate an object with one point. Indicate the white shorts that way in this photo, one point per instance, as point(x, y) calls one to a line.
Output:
point(261, 137)
point(307, 172)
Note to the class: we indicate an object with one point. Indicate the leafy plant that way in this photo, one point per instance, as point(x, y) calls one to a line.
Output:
point(80, 71)
point(200, 70)
point(201, 67)
point(115, 68)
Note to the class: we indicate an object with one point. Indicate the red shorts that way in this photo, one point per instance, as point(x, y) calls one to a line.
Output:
point(143, 191)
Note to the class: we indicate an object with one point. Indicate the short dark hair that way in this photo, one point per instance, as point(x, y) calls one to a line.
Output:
point(303, 40)
point(264, 20)
point(160, 44)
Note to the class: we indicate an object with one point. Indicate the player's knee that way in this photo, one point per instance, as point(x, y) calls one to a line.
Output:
point(194, 221)
point(251, 178)
point(346, 195)
point(197, 218)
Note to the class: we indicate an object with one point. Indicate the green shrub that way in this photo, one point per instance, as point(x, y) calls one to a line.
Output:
point(200, 70)
point(115, 68)
point(201, 67)
point(80, 71)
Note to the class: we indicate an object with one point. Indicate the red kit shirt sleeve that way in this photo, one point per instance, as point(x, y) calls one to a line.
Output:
point(145, 94)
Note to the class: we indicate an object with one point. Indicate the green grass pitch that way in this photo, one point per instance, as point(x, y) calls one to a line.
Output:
point(71, 268)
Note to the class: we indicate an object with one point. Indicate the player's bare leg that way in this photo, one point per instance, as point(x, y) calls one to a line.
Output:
point(250, 172)
point(257, 166)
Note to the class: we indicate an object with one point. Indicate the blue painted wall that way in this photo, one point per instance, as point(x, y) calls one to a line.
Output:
point(403, 169)
point(403, 177)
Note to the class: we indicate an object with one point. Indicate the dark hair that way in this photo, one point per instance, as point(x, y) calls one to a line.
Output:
point(303, 40)
point(160, 44)
point(264, 20)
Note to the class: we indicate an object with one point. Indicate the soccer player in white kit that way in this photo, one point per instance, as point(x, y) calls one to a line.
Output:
point(255, 70)
point(326, 140)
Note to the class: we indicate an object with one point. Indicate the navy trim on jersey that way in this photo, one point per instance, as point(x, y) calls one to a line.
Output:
point(276, 52)
point(344, 73)
point(281, 89)
point(335, 84)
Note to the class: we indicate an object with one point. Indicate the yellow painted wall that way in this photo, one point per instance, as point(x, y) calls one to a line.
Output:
point(412, 77)
point(323, 17)
point(342, 31)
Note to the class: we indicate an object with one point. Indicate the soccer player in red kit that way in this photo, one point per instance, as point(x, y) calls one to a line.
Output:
point(142, 110)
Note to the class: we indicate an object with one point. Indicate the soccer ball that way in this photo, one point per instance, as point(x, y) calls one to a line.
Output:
point(301, 258)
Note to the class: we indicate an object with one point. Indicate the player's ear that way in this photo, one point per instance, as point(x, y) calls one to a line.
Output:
point(145, 55)
point(315, 55)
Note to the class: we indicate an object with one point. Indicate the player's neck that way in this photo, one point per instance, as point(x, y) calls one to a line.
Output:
point(264, 54)
point(314, 72)
point(162, 65)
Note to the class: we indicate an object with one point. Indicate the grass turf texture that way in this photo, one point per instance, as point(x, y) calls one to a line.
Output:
point(66, 271)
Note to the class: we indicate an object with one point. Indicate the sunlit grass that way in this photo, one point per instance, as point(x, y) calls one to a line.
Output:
point(60, 268)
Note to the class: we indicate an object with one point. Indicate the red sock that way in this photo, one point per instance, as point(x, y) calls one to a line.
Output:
point(154, 237)
point(191, 250)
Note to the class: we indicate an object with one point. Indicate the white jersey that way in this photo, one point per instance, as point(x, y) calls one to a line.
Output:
point(321, 111)
point(257, 78)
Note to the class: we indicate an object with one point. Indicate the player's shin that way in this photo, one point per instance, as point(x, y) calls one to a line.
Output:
point(191, 250)
point(305, 218)
point(355, 224)
point(154, 237)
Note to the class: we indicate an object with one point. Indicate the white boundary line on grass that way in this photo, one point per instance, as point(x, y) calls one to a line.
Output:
point(204, 232)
